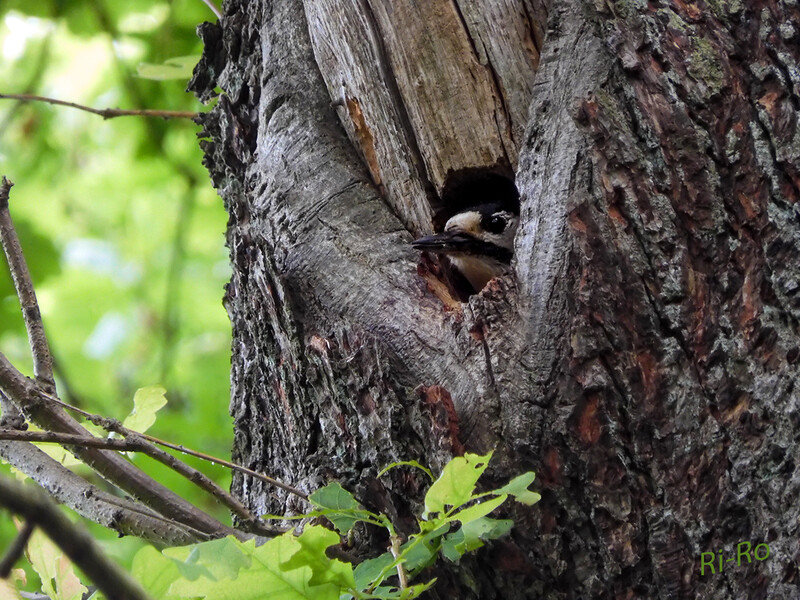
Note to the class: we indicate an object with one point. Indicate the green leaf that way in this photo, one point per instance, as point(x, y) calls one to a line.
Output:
point(476, 511)
point(311, 553)
point(456, 483)
point(407, 463)
point(472, 535)
point(518, 487)
point(264, 578)
point(179, 67)
point(340, 507)
point(59, 580)
point(147, 401)
point(217, 559)
point(210, 561)
point(369, 570)
point(155, 572)
point(415, 591)
point(424, 553)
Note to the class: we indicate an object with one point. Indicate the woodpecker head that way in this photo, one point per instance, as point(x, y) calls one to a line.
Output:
point(478, 241)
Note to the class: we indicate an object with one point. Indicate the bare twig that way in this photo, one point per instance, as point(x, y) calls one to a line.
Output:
point(32, 504)
point(213, 8)
point(135, 443)
point(114, 426)
point(18, 392)
point(50, 416)
point(122, 515)
point(106, 113)
point(40, 349)
point(23, 393)
point(15, 550)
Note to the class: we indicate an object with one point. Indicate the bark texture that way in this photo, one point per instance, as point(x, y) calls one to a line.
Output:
point(643, 360)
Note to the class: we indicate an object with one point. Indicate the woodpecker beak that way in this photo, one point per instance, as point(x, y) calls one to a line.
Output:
point(449, 241)
point(456, 243)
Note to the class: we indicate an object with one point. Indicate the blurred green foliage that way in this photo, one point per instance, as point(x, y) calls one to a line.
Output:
point(121, 228)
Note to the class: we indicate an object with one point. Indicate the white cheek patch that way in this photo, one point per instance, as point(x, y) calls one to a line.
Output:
point(468, 222)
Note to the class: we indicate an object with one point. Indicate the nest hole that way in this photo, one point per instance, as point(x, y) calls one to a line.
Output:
point(474, 186)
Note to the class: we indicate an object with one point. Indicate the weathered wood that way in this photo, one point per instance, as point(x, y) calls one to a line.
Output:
point(427, 88)
point(643, 361)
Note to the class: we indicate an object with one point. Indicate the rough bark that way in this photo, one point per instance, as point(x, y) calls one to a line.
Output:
point(643, 358)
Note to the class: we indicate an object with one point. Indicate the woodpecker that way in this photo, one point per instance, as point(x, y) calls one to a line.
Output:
point(478, 242)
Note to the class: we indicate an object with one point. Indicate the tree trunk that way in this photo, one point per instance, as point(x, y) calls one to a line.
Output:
point(643, 357)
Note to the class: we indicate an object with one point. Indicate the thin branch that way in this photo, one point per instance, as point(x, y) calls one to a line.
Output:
point(42, 359)
point(16, 549)
point(134, 443)
point(213, 8)
point(114, 426)
point(122, 515)
point(116, 469)
point(76, 543)
point(24, 394)
point(106, 113)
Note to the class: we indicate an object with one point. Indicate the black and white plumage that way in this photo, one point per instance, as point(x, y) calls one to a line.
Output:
point(478, 242)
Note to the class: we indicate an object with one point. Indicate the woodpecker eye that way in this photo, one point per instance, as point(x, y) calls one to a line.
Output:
point(494, 223)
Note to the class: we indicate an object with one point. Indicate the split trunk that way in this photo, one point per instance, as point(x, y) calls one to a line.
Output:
point(643, 357)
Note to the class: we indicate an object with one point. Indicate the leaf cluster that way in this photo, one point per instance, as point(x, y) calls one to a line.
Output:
point(292, 566)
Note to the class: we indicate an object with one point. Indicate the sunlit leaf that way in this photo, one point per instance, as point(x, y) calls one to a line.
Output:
point(476, 511)
point(9, 588)
point(155, 572)
point(311, 553)
point(456, 483)
point(217, 559)
point(147, 401)
point(265, 578)
point(59, 580)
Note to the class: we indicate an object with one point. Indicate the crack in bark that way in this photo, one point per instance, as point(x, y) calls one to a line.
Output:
point(385, 65)
point(497, 86)
point(506, 115)
point(531, 30)
point(465, 27)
